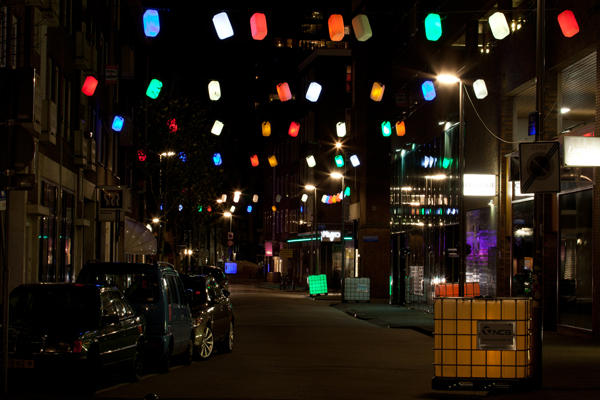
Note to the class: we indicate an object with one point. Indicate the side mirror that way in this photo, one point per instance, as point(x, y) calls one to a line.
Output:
point(110, 320)
point(226, 293)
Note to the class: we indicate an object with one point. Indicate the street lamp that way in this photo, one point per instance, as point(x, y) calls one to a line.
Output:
point(228, 214)
point(316, 228)
point(337, 175)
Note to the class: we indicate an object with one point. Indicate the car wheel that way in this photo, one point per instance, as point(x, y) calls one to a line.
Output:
point(226, 345)
point(137, 364)
point(207, 345)
point(188, 356)
point(165, 364)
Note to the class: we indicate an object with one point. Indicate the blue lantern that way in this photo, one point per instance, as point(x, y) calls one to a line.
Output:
point(117, 124)
point(428, 90)
point(217, 159)
point(249, 209)
point(151, 23)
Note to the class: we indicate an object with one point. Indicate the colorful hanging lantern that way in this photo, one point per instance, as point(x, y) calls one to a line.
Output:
point(568, 23)
point(217, 128)
point(377, 91)
point(141, 155)
point(223, 198)
point(254, 160)
point(304, 198)
point(222, 25)
point(313, 92)
point(433, 27)
point(214, 90)
point(154, 88)
point(283, 90)
point(278, 198)
point(274, 208)
point(340, 128)
point(258, 26)
point(249, 209)
point(446, 162)
point(172, 125)
point(386, 128)
point(151, 23)
point(232, 209)
point(498, 25)
point(336, 27)
point(266, 129)
point(310, 160)
point(217, 160)
point(428, 90)
point(199, 208)
point(255, 198)
point(117, 124)
point(236, 197)
point(294, 129)
point(273, 161)
point(480, 89)
point(347, 191)
point(325, 198)
point(400, 128)
point(209, 208)
point(354, 160)
point(362, 28)
point(339, 160)
point(89, 86)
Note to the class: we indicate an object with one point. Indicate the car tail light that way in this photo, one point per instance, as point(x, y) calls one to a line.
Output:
point(77, 346)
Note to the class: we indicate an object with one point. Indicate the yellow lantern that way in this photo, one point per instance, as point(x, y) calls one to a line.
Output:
point(266, 129)
point(400, 128)
point(377, 91)
point(273, 161)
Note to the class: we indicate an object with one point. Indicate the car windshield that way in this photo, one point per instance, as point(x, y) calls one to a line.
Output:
point(197, 286)
point(63, 305)
point(217, 274)
point(138, 287)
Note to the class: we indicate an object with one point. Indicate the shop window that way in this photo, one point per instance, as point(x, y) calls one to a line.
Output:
point(48, 233)
point(522, 248)
point(66, 273)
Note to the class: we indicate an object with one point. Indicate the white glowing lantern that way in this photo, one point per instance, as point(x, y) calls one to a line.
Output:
point(224, 198)
point(498, 25)
point(324, 199)
point(310, 160)
point(313, 92)
point(340, 128)
point(236, 197)
point(304, 198)
point(278, 198)
point(217, 128)
point(255, 198)
point(223, 26)
point(214, 90)
point(354, 160)
point(362, 28)
point(232, 209)
point(480, 89)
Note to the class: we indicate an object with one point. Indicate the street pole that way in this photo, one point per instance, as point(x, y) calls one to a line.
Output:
point(462, 213)
point(317, 245)
point(343, 244)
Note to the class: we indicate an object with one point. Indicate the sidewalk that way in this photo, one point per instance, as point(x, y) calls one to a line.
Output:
point(570, 365)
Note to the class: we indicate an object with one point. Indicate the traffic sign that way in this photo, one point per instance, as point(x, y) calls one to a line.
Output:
point(230, 243)
point(286, 253)
point(229, 235)
point(540, 167)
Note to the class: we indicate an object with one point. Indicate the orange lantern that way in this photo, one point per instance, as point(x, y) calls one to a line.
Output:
point(377, 91)
point(568, 23)
point(400, 128)
point(283, 90)
point(258, 26)
point(266, 129)
point(336, 27)
point(89, 86)
point(254, 160)
point(273, 161)
point(294, 129)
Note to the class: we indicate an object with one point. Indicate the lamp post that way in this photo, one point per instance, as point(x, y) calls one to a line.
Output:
point(316, 227)
point(338, 176)
point(228, 214)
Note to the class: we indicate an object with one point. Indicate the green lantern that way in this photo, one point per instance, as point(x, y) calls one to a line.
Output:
point(339, 160)
point(433, 27)
point(154, 88)
point(386, 128)
point(347, 191)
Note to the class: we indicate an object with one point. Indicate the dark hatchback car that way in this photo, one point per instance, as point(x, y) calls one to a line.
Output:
point(212, 313)
point(84, 329)
point(216, 273)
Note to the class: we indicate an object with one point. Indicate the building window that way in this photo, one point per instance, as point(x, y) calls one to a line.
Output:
point(65, 273)
point(48, 233)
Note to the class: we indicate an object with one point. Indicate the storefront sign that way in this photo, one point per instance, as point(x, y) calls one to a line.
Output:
point(581, 151)
point(114, 202)
point(286, 253)
point(479, 185)
point(370, 238)
point(331, 236)
point(269, 249)
point(496, 335)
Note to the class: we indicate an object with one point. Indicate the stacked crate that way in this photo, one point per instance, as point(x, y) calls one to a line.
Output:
point(357, 289)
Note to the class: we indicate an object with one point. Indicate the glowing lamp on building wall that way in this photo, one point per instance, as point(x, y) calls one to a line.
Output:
point(480, 89)
point(433, 27)
point(294, 129)
point(154, 88)
point(273, 161)
point(362, 28)
point(340, 128)
point(284, 92)
point(214, 90)
point(310, 160)
point(400, 128)
point(89, 86)
point(304, 198)
point(377, 91)
point(386, 128)
point(313, 92)
point(217, 160)
point(339, 160)
point(336, 27)
point(254, 160)
point(117, 124)
point(151, 23)
point(498, 25)
point(354, 160)
point(222, 25)
point(217, 128)
point(428, 90)
point(255, 198)
point(266, 129)
point(258, 26)
point(568, 23)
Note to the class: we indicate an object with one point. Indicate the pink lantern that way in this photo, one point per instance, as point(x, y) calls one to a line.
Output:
point(283, 90)
point(568, 23)
point(254, 160)
point(336, 27)
point(258, 26)
point(294, 129)
point(89, 86)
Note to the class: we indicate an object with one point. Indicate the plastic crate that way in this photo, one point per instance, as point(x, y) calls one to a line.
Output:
point(357, 289)
point(317, 284)
point(472, 289)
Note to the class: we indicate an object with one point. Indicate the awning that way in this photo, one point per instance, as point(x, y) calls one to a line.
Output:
point(138, 239)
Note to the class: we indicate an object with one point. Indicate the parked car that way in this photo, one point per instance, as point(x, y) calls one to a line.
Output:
point(216, 273)
point(156, 292)
point(212, 312)
point(79, 328)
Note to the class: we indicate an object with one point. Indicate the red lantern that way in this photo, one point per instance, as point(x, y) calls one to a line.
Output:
point(172, 126)
point(294, 129)
point(89, 86)
point(141, 155)
point(568, 23)
point(209, 209)
point(336, 27)
point(283, 90)
point(254, 160)
point(258, 26)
